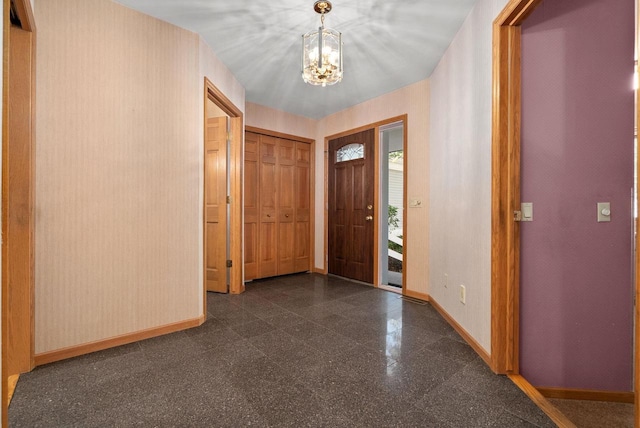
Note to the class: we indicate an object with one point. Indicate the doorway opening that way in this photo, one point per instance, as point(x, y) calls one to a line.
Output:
point(222, 194)
point(358, 196)
point(391, 204)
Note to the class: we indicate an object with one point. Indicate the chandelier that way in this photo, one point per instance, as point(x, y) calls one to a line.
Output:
point(322, 52)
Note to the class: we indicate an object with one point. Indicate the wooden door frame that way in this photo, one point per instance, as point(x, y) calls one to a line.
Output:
point(24, 13)
point(235, 221)
point(505, 185)
point(376, 193)
point(505, 232)
point(312, 174)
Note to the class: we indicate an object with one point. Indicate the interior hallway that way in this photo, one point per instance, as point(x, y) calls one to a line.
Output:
point(301, 350)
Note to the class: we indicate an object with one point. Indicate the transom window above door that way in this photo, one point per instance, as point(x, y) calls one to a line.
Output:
point(350, 152)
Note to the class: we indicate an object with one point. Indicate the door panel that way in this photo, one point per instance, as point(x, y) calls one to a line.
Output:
point(286, 211)
point(251, 205)
point(268, 262)
point(351, 189)
point(302, 208)
point(216, 204)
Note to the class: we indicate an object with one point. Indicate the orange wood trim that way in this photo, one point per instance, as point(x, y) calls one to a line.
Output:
point(365, 127)
point(377, 207)
point(221, 100)
point(4, 409)
point(236, 220)
point(462, 332)
point(417, 295)
point(25, 14)
point(376, 127)
point(19, 200)
point(318, 270)
point(278, 134)
point(11, 388)
point(505, 186)
point(325, 259)
point(549, 409)
point(636, 354)
point(587, 394)
point(516, 11)
point(87, 348)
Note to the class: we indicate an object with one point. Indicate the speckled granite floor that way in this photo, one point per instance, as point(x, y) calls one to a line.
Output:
point(302, 350)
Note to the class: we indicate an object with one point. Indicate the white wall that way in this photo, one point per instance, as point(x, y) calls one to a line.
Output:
point(460, 174)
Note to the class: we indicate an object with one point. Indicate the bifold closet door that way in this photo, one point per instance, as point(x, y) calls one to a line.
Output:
point(302, 198)
point(268, 233)
point(285, 201)
point(251, 205)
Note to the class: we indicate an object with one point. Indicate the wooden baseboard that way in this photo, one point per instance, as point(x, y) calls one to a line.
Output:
point(87, 348)
point(417, 295)
point(319, 270)
point(587, 394)
point(11, 386)
point(549, 409)
point(462, 332)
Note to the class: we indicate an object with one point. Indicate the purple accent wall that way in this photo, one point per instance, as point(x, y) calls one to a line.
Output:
point(577, 149)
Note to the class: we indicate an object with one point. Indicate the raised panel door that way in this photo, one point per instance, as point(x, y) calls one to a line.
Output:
point(215, 188)
point(267, 229)
point(251, 205)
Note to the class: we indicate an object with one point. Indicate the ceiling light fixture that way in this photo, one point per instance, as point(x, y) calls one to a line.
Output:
point(322, 51)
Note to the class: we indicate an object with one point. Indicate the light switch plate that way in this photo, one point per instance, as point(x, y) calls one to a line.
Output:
point(415, 203)
point(604, 212)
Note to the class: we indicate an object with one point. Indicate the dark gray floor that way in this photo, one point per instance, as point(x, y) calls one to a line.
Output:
point(302, 350)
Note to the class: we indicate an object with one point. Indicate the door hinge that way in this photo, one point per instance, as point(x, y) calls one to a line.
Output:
point(228, 199)
point(229, 263)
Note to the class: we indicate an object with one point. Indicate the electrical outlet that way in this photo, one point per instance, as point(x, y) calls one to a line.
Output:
point(446, 280)
point(463, 295)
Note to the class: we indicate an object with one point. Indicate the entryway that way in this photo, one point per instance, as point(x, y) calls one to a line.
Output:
point(366, 202)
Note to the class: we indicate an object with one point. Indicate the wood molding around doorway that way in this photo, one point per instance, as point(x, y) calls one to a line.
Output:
point(505, 185)
point(211, 92)
point(18, 193)
point(376, 127)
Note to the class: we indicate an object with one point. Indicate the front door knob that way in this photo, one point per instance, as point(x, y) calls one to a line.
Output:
point(369, 218)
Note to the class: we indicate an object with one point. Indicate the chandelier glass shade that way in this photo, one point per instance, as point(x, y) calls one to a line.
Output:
point(322, 52)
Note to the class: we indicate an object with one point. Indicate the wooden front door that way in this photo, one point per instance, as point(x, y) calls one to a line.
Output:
point(215, 188)
point(351, 210)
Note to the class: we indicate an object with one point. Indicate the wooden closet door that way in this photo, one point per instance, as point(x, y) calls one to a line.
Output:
point(267, 230)
point(285, 204)
point(302, 201)
point(251, 205)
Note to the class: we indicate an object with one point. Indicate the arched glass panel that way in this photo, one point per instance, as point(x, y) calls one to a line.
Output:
point(350, 152)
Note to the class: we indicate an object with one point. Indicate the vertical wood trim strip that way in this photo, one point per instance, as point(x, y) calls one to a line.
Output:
point(377, 208)
point(237, 158)
point(636, 354)
point(5, 97)
point(505, 185)
point(236, 218)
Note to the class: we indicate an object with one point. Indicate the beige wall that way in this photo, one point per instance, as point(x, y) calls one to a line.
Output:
point(280, 121)
point(411, 100)
point(120, 107)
